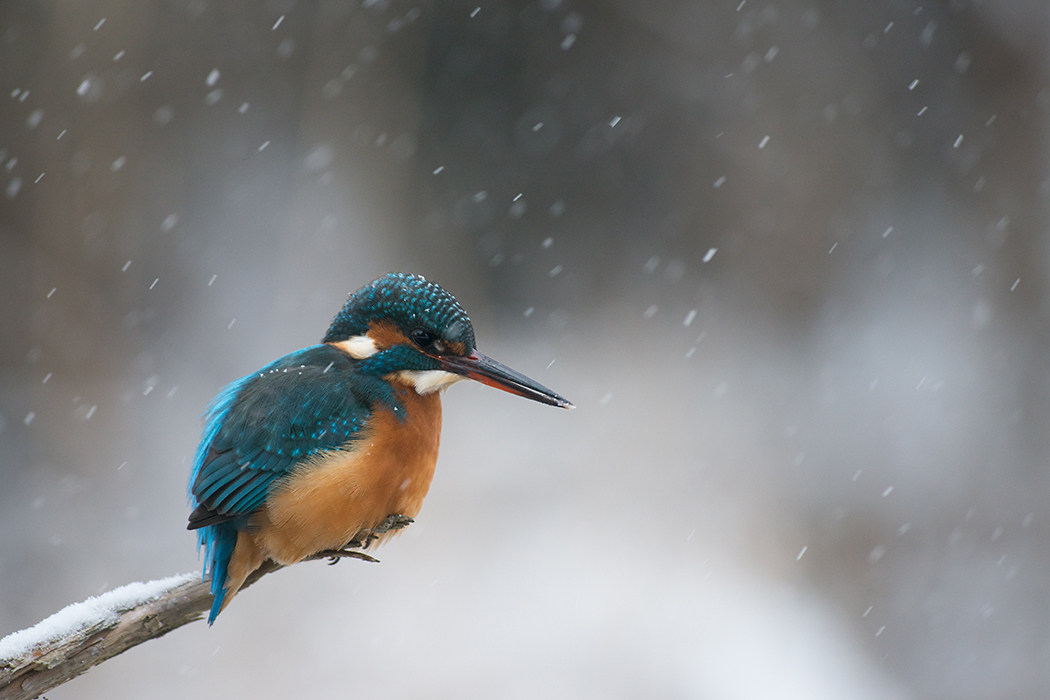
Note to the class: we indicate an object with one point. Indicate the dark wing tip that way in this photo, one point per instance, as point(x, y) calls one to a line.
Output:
point(203, 516)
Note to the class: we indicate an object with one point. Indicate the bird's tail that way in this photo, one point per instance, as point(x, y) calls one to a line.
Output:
point(230, 556)
point(218, 542)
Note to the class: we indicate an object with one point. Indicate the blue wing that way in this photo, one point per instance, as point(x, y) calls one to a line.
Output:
point(260, 428)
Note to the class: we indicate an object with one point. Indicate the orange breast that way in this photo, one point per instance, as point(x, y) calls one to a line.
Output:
point(387, 471)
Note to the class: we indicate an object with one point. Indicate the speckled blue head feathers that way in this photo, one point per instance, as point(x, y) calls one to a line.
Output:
point(410, 302)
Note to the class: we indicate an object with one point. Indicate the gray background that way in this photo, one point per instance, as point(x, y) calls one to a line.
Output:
point(809, 465)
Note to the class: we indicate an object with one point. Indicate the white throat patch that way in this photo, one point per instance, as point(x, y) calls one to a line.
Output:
point(429, 381)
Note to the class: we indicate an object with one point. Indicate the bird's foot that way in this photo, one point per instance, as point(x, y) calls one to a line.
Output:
point(364, 538)
point(393, 522)
point(334, 555)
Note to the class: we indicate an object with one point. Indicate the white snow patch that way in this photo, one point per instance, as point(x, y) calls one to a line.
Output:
point(79, 617)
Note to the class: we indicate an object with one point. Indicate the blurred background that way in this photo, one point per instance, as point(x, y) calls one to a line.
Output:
point(789, 259)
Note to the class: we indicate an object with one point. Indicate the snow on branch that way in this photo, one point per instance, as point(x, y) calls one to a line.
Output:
point(65, 645)
point(81, 635)
point(80, 620)
point(84, 634)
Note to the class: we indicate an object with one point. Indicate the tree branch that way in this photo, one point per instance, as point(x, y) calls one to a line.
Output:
point(84, 634)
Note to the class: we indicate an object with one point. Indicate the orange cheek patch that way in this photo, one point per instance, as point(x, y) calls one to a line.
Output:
point(456, 348)
point(386, 335)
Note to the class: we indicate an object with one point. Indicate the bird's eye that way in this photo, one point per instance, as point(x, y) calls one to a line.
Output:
point(422, 338)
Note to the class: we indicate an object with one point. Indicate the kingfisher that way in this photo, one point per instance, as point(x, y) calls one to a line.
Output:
point(334, 445)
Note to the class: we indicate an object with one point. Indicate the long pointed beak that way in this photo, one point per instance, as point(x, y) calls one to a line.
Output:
point(487, 371)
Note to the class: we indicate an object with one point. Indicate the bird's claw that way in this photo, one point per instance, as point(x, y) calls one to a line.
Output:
point(334, 555)
point(364, 538)
point(393, 522)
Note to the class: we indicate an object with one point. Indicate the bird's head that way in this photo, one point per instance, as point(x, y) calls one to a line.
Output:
point(408, 327)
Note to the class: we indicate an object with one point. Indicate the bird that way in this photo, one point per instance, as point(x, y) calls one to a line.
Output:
point(335, 445)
